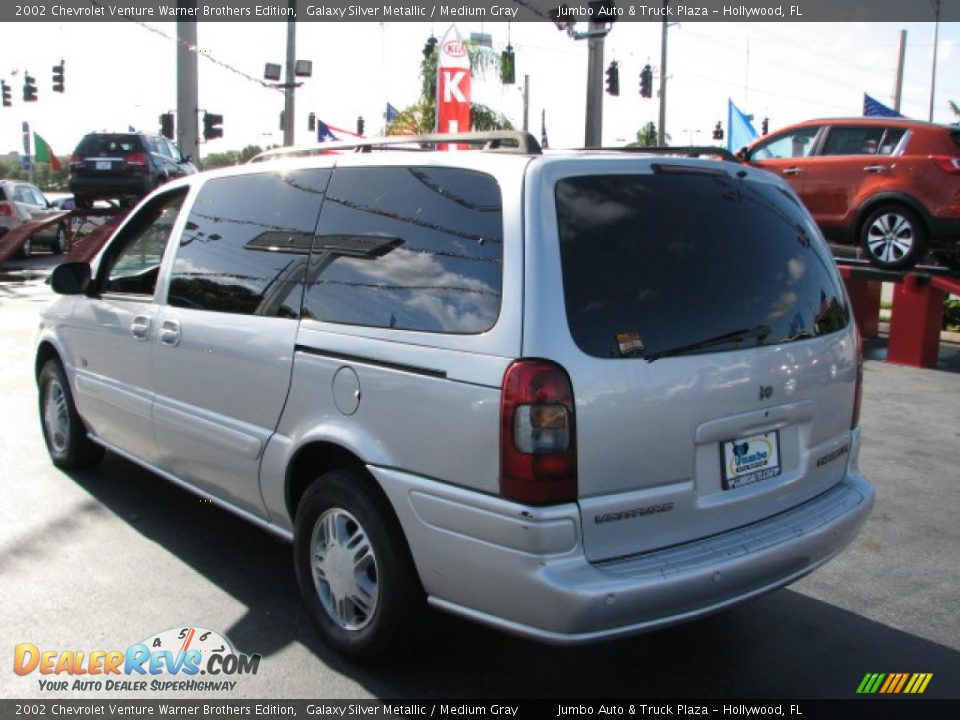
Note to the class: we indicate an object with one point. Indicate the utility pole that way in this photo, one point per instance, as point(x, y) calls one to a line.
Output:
point(289, 87)
point(661, 125)
point(188, 136)
point(593, 135)
point(898, 84)
point(936, 36)
point(526, 103)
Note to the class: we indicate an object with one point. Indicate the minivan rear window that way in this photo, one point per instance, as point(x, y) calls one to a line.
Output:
point(657, 263)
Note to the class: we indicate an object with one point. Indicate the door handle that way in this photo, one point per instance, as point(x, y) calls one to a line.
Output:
point(876, 168)
point(170, 333)
point(792, 171)
point(140, 327)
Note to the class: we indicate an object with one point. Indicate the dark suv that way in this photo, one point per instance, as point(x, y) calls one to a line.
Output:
point(890, 184)
point(123, 165)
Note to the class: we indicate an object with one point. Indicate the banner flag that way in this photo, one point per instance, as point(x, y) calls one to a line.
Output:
point(740, 131)
point(875, 108)
point(453, 86)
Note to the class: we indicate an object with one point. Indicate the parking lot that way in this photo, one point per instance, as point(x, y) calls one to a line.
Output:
point(105, 559)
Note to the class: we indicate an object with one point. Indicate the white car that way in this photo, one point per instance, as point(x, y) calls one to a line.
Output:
point(20, 202)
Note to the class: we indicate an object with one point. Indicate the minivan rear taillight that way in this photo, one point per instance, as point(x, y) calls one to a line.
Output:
point(5, 209)
point(538, 444)
point(858, 391)
point(950, 165)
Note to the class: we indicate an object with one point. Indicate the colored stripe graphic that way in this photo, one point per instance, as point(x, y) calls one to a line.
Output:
point(894, 683)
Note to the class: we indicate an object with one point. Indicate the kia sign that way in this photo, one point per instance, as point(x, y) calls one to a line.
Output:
point(453, 86)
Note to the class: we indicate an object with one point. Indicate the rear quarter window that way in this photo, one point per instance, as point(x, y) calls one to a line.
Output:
point(656, 262)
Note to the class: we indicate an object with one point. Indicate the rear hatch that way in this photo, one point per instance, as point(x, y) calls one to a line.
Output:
point(109, 155)
point(712, 356)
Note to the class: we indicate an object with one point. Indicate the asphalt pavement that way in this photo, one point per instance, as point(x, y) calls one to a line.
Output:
point(104, 559)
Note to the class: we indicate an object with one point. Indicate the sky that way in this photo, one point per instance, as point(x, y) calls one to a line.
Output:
point(124, 74)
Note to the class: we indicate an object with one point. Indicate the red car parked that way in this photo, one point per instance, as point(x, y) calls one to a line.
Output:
point(890, 184)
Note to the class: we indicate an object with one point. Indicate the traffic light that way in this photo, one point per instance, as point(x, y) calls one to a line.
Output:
point(718, 131)
point(613, 78)
point(6, 95)
point(508, 65)
point(765, 126)
point(211, 126)
point(58, 81)
point(29, 89)
point(359, 125)
point(166, 125)
point(428, 48)
point(312, 122)
point(646, 82)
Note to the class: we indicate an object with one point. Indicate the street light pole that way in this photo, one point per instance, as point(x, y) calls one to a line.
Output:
point(289, 87)
point(661, 129)
point(936, 34)
point(593, 135)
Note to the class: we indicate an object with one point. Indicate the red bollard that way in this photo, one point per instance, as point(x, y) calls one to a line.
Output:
point(865, 298)
point(915, 323)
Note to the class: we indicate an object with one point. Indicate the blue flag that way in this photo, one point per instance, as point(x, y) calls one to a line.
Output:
point(874, 108)
point(740, 131)
point(391, 114)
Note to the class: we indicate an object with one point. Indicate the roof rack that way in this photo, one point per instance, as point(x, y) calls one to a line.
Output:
point(515, 141)
point(679, 150)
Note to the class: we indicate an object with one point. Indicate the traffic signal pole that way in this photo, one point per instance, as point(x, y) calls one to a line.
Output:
point(593, 134)
point(288, 115)
point(188, 137)
point(662, 121)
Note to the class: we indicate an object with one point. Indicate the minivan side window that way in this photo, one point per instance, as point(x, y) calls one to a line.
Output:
point(132, 262)
point(409, 248)
point(246, 243)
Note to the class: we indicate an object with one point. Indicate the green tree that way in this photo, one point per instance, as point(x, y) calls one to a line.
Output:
point(955, 108)
point(421, 117)
point(647, 136)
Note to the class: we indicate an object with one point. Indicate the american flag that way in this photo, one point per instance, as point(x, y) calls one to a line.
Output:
point(875, 108)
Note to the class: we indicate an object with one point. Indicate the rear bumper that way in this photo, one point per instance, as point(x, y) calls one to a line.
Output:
point(522, 569)
point(106, 187)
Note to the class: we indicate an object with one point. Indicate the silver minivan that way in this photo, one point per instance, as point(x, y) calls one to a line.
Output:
point(571, 395)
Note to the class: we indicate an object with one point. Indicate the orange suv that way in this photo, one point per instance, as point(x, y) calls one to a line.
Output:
point(890, 184)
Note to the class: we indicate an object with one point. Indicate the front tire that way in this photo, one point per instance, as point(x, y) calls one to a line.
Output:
point(60, 244)
point(63, 430)
point(26, 250)
point(893, 238)
point(353, 567)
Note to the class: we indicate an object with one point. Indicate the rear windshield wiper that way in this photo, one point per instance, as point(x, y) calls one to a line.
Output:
point(759, 332)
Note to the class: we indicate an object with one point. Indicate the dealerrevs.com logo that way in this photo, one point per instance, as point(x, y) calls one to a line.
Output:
point(179, 659)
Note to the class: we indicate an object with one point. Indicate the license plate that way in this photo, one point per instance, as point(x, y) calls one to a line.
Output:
point(750, 459)
point(104, 164)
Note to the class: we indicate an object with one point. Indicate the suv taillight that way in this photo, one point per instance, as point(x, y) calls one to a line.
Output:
point(5, 209)
point(538, 443)
point(136, 159)
point(950, 165)
point(858, 391)
point(76, 159)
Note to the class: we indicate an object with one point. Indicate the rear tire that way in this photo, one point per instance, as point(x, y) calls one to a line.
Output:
point(26, 250)
point(893, 238)
point(63, 430)
point(353, 567)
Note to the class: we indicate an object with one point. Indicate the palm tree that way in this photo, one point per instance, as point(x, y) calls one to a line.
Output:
point(955, 108)
point(647, 136)
point(421, 117)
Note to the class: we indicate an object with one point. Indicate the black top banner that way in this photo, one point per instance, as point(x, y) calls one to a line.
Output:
point(556, 11)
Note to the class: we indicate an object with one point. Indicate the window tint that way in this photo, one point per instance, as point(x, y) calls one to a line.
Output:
point(658, 262)
point(246, 244)
point(792, 145)
point(854, 140)
point(891, 138)
point(104, 144)
point(134, 257)
point(411, 248)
